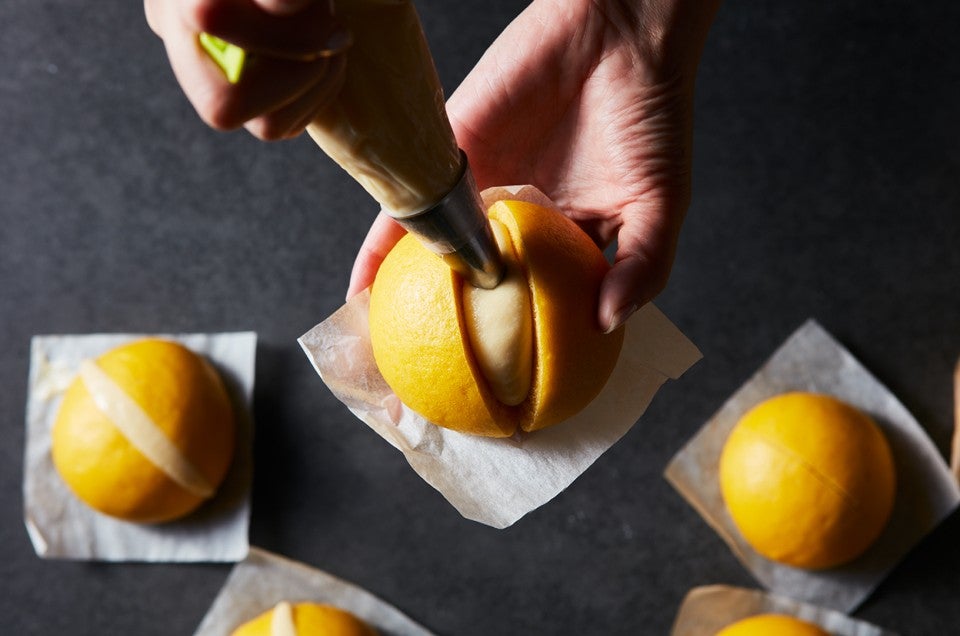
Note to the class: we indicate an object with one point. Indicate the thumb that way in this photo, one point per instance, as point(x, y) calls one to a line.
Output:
point(646, 246)
point(382, 236)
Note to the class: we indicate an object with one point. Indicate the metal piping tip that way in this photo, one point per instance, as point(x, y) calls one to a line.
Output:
point(456, 228)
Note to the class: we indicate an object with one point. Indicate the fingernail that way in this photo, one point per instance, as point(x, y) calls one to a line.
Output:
point(283, 7)
point(620, 317)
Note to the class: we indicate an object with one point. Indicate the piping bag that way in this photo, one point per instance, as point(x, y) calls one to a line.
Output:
point(388, 128)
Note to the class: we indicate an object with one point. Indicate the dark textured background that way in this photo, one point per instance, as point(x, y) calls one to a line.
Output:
point(826, 185)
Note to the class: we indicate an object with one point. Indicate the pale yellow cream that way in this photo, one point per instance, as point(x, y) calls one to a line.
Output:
point(388, 127)
point(499, 325)
point(141, 431)
point(281, 621)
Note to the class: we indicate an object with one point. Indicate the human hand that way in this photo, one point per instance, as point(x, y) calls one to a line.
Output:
point(294, 67)
point(590, 101)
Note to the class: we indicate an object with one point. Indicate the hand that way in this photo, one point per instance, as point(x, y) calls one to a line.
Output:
point(590, 101)
point(294, 66)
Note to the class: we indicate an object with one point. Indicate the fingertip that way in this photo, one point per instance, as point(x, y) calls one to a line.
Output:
point(382, 236)
point(268, 128)
point(625, 288)
point(213, 103)
point(357, 283)
point(364, 271)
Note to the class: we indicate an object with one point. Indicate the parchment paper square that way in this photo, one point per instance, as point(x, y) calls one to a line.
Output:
point(497, 481)
point(61, 526)
point(811, 360)
point(263, 579)
point(706, 610)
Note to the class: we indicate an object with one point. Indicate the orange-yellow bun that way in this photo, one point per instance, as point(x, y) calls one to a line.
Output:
point(772, 625)
point(417, 328)
point(187, 405)
point(808, 480)
point(309, 619)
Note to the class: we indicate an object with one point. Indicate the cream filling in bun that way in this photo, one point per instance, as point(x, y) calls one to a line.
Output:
point(281, 621)
point(499, 325)
point(141, 431)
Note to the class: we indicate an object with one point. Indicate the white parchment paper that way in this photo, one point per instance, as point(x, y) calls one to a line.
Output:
point(264, 579)
point(61, 526)
point(497, 481)
point(706, 610)
point(811, 360)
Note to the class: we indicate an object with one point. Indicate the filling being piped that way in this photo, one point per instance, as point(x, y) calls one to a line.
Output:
point(499, 325)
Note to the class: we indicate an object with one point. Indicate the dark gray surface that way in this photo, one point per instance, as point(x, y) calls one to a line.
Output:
point(826, 185)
